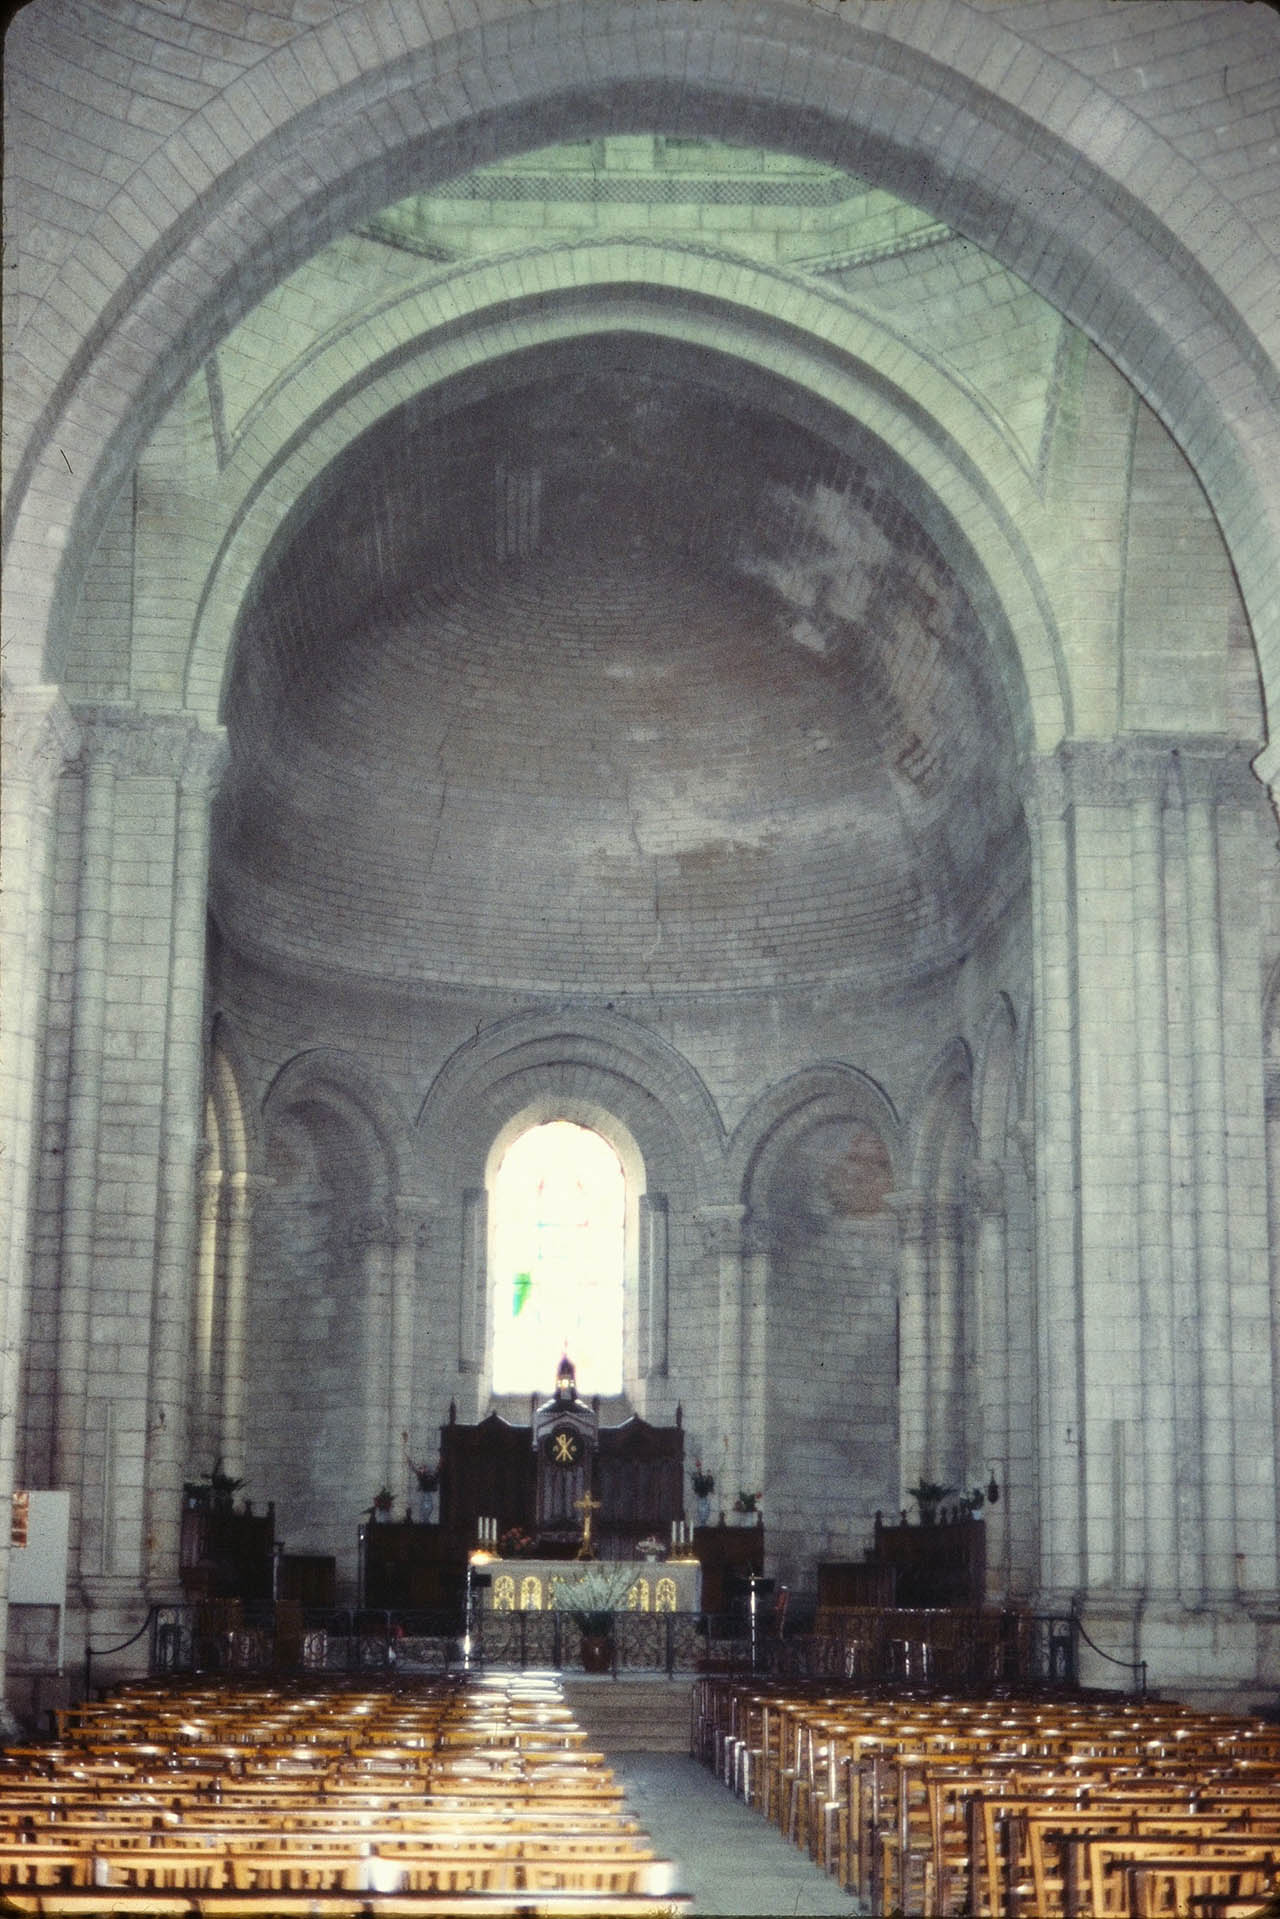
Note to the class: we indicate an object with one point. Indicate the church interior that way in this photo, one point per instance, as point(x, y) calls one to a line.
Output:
point(641, 871)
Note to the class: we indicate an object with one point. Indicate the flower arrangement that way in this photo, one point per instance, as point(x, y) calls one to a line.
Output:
point(651, 1548)
point(593, 1598)
point(746, 1501)
point(516, 1543)
point(383, 1500)
point(217, 1487)
point(427, 1476)
point(928, 1496)
point(703, 1482)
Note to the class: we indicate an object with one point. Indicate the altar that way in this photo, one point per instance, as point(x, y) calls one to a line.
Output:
point(529, 1584)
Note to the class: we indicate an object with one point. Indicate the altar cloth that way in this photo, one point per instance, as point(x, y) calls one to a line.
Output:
point(528, 1585)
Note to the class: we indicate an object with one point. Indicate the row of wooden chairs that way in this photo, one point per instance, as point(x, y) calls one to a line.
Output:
point(1074, 1807)
point(341, 1800)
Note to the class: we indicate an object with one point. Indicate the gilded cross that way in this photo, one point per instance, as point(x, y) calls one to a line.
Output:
point(587, 1506)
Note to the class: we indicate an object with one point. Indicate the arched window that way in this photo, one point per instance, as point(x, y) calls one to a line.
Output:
point(558, 1211)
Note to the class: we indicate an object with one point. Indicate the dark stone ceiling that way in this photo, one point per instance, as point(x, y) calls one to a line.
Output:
point(613, 675)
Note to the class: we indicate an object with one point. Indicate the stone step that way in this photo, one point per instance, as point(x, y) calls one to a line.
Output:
point(631, 1715)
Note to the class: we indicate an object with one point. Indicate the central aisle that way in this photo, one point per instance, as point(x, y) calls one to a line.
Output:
point(727, 1856)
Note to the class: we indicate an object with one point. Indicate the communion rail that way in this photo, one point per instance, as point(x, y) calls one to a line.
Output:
point(946, 1650)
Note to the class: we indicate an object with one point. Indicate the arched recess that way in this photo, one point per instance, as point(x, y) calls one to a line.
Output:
point(802, 348)
point(330, 1320)
point(816, 1161)
point(601, 1071)
point(1044, 195)
point(936, 1308)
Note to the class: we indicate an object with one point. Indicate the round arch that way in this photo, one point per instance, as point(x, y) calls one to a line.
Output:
point(601, 1068)
point(940, 1126)
point(1036, 192)
point(822, 1093)
point(995, 1078)
point(979, 503)
point(332, 1078)
point(229, 1084)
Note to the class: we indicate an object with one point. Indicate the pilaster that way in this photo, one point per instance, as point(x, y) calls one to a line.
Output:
point(413, 1225)
point(40, 740)
point(177, 749)
point(913, 1215)
point(723, 1236)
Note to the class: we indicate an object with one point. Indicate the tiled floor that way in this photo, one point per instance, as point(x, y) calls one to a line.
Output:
point(730, 1860)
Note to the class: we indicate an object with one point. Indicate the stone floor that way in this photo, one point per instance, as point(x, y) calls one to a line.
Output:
point(729, 1859)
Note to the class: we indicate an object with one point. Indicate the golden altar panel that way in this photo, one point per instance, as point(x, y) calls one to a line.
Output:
point(528, 1585)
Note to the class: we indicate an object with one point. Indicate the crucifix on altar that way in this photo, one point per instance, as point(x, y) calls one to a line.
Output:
point(587, 1506)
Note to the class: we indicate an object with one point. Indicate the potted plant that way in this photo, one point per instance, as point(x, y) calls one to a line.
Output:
point(222, 1487)
point(746, 1502)
point(428, 1478)
point(704, 1485)
point(383, 1500)
point(592, 1599)
point(928, 1496)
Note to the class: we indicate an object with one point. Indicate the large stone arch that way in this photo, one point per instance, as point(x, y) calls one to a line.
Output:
point(979, 503)
point(1041, 189)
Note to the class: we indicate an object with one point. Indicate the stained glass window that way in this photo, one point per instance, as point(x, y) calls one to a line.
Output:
point(558, 1209)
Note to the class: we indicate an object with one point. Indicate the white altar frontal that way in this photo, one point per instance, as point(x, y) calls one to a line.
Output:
point(529, 1585)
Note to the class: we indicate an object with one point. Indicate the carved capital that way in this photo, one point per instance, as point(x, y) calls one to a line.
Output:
point(984, 1183)
point(914, 1213)
point(158, 745)
point(368, 1229)
point(41, 737)
point(723, 1229)
point(416, 1219)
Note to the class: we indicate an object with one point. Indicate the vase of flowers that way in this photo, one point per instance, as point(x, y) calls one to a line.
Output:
point(428, 1482)
point(592, 1599)
point(704, 1485)
point(222, 1487)
point(380, 1510)
point(928, 1495)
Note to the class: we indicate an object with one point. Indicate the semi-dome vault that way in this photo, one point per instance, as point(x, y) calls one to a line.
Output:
point(664, 676)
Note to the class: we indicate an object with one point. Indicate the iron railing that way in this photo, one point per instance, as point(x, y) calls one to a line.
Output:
point(944, 1650)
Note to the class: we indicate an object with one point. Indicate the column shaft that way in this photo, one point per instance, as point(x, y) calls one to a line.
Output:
point(242, 1192)
point(168, 1435)
point(208, 1248)
point(1155, 1223)
point(1212, 1246)
point(80, 1174)
point(38, 739)
point(913, 1339)
point(1059, 1302)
